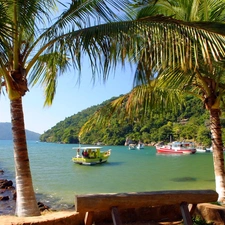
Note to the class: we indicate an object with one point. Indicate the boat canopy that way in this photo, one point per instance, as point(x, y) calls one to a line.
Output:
point(88, 147)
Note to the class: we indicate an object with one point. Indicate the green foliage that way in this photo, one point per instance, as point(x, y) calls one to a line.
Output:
point(188, 123)
point(199, 221)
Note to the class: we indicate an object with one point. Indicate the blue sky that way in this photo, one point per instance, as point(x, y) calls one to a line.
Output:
point(70, 98)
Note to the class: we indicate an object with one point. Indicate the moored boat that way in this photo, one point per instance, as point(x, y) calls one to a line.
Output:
point(140, 145)
point(203, 149)
point(177, 147)
point(209, 149)
point(132, 146)
point(91, 155)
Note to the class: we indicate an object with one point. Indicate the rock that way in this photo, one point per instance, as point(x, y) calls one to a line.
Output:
point(5, 184)
point(4, 198)
point(42, 206)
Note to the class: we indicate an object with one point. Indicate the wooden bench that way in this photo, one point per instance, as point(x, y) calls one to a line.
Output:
point(90, 203)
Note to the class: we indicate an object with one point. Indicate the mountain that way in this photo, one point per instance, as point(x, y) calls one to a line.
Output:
point(6, 133)
point(188, 122)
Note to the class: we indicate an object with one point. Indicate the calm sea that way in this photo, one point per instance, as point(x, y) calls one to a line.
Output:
point(57, 179)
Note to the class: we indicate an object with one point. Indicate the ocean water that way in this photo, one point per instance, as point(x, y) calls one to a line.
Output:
point(57, 179)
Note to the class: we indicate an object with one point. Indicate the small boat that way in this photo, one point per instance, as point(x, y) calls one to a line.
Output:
point(209, 149)
point(140, 145)
point(177, 147)
point(202, 149)
point(132, 146)
point(91, 155)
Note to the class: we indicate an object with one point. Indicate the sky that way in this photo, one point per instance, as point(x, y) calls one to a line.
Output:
point(70, 98)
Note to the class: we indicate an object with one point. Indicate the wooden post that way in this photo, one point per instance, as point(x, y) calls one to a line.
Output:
point(88, 220)
point(185, 213)
point(115, 216)
point(192, 208)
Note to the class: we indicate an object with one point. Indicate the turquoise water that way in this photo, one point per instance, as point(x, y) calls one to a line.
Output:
point(57, 179)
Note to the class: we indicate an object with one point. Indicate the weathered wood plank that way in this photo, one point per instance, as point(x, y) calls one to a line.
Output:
point(104, 202)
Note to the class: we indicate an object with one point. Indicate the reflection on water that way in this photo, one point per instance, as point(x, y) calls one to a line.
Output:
point(184, 179)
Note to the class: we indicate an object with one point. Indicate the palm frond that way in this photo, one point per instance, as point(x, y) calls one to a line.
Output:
point(82, 14)
point(46, 71)
point(158, 42)
point(162, 41)
point(33, 14)
point(5, 21)
point(142, 100)
point(192, 10)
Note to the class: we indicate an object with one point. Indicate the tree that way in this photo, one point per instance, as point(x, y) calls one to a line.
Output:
point(30, 55)
point(162, 77)
point(203, 136)
point(33, 51)
point(207, 83)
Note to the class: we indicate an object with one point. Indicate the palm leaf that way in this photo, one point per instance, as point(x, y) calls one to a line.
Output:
point(157, 41)
point(142, 100)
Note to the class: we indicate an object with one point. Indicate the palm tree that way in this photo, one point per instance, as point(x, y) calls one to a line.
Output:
point(32, 51)
point(33, 55)
point(206, 83)
point(161, 84)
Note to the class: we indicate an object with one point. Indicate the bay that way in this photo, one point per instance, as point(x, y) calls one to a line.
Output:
point(57, 179)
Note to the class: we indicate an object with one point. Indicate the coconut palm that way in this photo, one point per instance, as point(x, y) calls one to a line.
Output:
point(32, 50)
point(204, 82)
point(162, 84)
point(37, 53)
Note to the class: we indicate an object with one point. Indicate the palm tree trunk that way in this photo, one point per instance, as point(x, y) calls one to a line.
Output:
point(26, 204)
point(218, 157)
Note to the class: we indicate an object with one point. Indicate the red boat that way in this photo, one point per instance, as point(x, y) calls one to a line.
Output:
point(177, 147)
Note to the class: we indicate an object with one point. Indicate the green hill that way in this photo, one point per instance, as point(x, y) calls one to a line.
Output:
point(6, 133)
point(190, 122)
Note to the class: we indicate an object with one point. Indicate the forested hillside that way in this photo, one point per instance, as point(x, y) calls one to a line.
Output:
point(6, 133)
point(190, 123)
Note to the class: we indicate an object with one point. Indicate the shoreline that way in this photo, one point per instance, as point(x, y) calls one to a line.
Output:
point(8, 198)
point(8, 204)
point(70, 217)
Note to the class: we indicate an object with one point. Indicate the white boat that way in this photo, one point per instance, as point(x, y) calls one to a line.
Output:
point(132, 146)
point(90, 155)
point(177, 147)
point(140, 146)
point(209, 149)
point(201, 149)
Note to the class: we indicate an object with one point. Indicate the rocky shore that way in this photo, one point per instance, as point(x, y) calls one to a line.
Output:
point(8, 198)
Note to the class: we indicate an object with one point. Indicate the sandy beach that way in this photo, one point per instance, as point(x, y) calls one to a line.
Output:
point(50, 218)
